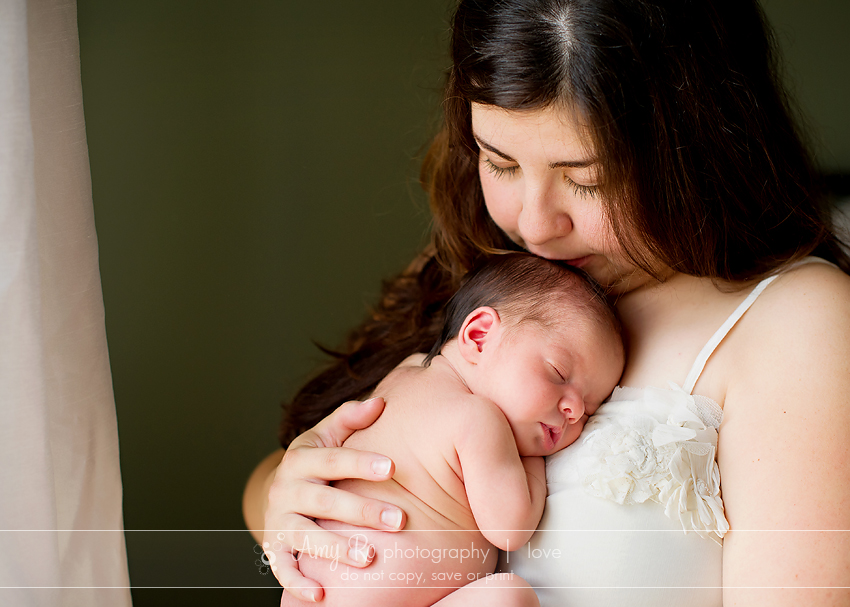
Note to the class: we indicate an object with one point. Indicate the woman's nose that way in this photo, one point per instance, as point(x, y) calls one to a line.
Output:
point(542, 218)
point(572, 406)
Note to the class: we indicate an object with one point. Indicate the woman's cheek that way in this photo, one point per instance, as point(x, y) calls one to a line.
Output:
point(500, 203)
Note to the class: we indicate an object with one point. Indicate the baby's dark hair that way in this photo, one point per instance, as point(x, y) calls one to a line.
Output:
point(521, 287)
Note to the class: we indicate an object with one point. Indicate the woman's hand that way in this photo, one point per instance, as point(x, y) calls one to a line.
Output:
point(301, 489)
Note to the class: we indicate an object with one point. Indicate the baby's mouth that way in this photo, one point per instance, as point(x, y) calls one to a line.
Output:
point(551, 435)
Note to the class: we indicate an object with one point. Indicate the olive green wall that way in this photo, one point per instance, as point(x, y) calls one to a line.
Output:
point(253, 169)
point(815, 39)
point(254, 174)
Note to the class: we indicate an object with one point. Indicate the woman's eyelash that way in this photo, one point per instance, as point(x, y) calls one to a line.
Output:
point(584, 191)
point(499, 171)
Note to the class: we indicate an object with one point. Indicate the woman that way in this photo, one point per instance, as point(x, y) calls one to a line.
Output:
point(648, 143)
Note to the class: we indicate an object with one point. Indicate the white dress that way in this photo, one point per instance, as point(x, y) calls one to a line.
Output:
point(634, 514)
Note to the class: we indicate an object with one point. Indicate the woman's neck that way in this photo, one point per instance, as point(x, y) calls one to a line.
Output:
point(666, 324)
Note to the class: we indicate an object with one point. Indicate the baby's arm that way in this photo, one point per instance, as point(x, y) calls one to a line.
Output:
point(506, 492)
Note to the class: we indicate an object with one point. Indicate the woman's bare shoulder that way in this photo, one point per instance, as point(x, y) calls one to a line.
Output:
point(783, 442)
point(799, 327)
point(792, 349)
point(787, 394)
point(804, 303)
point(813, 280)
point(815, 276)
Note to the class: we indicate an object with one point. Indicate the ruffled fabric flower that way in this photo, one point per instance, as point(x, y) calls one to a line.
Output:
point(635, 458)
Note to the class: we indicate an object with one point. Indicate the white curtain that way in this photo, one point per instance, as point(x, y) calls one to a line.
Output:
point(61, 529)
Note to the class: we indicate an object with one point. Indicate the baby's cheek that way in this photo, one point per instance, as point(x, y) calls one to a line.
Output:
point(573, 432)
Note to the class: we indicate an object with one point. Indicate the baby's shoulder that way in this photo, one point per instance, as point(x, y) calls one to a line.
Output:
point(450, 406)
point(468, 411)
point(433, 394)
point(405, 379)
point(481, 422)
point(485, 410)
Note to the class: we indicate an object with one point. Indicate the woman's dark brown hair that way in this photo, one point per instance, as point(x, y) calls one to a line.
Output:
point(702, 167)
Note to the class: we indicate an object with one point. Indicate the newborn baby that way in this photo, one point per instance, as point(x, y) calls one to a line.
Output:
point(529, 350)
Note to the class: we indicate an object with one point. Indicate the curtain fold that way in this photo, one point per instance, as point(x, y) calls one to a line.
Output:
point(61, 529)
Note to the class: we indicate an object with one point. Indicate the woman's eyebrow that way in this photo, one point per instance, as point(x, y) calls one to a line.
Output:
point(490, 148)
point(569, 164)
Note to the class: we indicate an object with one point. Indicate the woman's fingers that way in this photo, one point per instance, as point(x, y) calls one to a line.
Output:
point(334, 463)
point(300, 490)
point(326, 502)
point(300, 536)
point(342, 423)
point(280, 547)
point(286, 571)
point(318, 543)
point(303, 589)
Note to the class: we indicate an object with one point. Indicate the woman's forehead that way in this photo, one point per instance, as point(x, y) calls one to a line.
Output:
point(552, 132)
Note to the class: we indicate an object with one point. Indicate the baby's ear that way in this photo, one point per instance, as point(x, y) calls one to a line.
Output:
point(479, 330)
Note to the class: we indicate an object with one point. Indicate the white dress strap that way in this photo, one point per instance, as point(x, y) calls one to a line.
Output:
point(720, 334)
point(708, 349)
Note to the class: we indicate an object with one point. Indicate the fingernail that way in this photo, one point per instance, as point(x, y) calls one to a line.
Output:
point(391, 518)
point(362, 555)
point(381, 467)
point(309, 595)
point(371, 400)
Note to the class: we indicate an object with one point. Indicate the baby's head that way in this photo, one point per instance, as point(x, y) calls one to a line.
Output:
point(538, 339)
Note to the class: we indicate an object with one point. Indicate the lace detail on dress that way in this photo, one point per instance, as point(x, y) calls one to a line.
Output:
point(634, 457)
point(708, 411)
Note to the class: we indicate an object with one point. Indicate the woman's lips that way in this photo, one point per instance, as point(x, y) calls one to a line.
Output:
point(578, 261)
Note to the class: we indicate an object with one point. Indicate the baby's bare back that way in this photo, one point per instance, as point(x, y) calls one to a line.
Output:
point(440, 548)
point(417, 430)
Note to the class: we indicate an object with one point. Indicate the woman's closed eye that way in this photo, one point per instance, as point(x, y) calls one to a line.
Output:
point(583, 191)
point(580, 190)
point(499, 171)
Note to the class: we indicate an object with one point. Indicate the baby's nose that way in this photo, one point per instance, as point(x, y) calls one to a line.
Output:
point(572, 406)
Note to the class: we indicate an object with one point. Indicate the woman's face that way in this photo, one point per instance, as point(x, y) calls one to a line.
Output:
point(539, 177)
